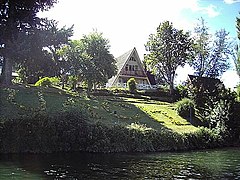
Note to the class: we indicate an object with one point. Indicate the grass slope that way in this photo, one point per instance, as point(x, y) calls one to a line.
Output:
point(19, 100)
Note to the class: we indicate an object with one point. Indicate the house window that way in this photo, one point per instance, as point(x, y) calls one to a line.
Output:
point(130, 68)
point(136, 67)
point(132, 59)
point(126, 67)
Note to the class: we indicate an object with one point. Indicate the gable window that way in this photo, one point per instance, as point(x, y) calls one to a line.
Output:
point(126, 67)
point(132, 59)
point(136, 67)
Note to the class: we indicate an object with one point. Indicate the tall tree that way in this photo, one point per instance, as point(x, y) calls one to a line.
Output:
point(102, 63)
point(219, 54)
point(40, 47)
point(237, 52)
point(211, 53)
point(55, 39)
point(168, 49)
point(89, 59)
point(15, 17)
point(74, 61)
point(201, 48)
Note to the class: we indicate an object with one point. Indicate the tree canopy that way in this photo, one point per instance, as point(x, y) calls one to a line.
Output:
point(38, 54)
point(210, 52)
point(237, 55)
point(89, 59)
point(16, 17)
point(168, 49)
point(103, 62)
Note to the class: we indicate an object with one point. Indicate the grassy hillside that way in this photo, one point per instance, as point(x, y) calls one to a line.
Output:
point(21, 101)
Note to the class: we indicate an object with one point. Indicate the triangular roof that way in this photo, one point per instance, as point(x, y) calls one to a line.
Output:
point(205, 82)
point(122, 60)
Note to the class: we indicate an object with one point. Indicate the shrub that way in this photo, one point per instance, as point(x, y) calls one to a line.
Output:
point(47, 81)
point(131, 83)
point(181, 91)
point(186, 108)
point(204, 138)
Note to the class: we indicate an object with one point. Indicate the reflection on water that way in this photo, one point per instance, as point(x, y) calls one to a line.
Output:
point(210, 164)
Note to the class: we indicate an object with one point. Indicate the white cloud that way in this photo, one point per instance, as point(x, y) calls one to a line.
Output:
point(231, 1)
point(211, 11)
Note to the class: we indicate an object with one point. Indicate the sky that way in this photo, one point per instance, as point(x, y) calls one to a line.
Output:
point(128, 23)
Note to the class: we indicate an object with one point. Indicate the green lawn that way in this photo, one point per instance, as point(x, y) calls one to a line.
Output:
point(109, 110)
point(164, 113)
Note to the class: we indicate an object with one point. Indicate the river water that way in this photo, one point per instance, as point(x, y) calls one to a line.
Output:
point(207, 164)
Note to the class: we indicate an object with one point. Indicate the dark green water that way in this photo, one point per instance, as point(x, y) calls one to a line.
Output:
point(209, 164)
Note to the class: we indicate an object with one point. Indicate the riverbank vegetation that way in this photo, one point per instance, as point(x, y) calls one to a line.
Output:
point(44, 120)
point(68, 108)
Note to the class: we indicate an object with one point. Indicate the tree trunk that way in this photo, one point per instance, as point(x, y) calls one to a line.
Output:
point(89, 88)
point(171, 88)
point(7, 72)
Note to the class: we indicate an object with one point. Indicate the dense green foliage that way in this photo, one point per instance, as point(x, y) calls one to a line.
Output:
point(40, 51)
point(168, 49)
point(131, 84)
point(89, 60)
point(51, 122)
point(71, 131)
point(181, 91)
point(17, 17)
point(186, 108)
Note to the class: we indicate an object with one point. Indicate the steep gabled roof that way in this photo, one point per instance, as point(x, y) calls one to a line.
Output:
point(205, 82)
point(122, 60)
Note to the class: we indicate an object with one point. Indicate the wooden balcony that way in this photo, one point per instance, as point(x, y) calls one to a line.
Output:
point(139, 86)
point(138, 73)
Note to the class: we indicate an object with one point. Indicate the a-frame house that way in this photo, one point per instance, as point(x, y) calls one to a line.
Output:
point(129, 65)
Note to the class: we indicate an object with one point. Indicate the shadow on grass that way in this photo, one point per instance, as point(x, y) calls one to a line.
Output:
point(125, 112)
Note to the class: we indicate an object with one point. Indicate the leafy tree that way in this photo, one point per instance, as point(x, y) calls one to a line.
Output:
point(89, 59)
point(168, 49)
point(40, 48)
point(237, 52)
point(55, 39)
point(33, 61)
point(210, 55)
point(16, 17)
point(74, 61)
point(201, 48)
point(220, 52)
point(102, 65)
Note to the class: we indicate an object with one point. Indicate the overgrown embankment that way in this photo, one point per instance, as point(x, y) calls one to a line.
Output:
point(70, 131)
point(49, 120)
